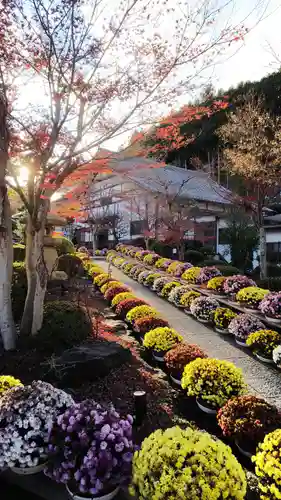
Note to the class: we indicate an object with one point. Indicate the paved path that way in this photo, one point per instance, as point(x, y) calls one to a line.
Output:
point(263, 380)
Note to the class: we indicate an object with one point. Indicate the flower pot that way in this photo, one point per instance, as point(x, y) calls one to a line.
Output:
point(250, 310)
point(205, 407)
point(218, 295)
point(188, 312)
point(28, 471)
point(262, 358)
point(244, 452)
point(277, 321)
point(107, 496)
point(158, 356)
point(222, 331)
point(241, 343)
point(201, 320)
point(175, 380)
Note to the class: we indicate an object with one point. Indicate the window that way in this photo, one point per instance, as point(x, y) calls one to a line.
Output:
point(137, 227)
point(274, 252)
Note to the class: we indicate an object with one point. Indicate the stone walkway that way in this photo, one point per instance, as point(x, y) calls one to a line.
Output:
point(262, 380)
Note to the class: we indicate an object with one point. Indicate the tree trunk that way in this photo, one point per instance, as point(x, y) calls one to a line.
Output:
point(7, 326)
point(263, 263)
point(37, 275)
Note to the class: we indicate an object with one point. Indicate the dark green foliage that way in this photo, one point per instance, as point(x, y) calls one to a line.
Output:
point(65, 324)
point(273, 271)
point(19, 252)
point(272, 284)
point(19, 289)
point(213, 262)
point(63, 245)
point(193, 257)
point(228, 270)
point(71, 265)
point(207, 251)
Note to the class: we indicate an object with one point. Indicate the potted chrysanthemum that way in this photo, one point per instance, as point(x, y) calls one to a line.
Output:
point(203, 309)
point(26, 413)
point(270, 306)
point(181, 268)
point(191, 275)
point(212, 382)
point(268, 466)
point(189, 464)
point(207, 273)
point(165, 292)
point(233, 284)
point(142, 276)
point(159, 283)
point(91, 450)
point(222, 317)
point(251, 297)
point(144, 325)
point(247, 419)
point(276, 355)
point(215, 286)
point(151, 278)
point(8, 382)
point(177, 293)
point(242, 326)
point(177, 358)
point(263, 343)
point(161, 340)
point(187, 298)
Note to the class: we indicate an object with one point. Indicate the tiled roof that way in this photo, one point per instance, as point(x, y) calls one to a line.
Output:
point(191, 184)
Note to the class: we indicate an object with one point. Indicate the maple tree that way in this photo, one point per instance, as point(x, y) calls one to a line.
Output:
point(168, 135)
point(76, 74)
point(252, 138)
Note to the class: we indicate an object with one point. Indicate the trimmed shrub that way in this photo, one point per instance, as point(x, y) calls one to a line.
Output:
point(272, 284)
point(213, 381)
point(71, 265)
point(65, 324)
point(181, 464)
point(226, 270)
point(19, 289)
point(212, 262)
point(63, 246)
point(193, 257)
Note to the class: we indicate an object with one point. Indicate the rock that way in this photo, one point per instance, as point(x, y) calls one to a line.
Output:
point(115, 326)
point(59, 275)
point(89, 361)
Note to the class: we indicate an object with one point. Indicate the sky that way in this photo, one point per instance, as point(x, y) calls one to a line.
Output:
point(255, 59)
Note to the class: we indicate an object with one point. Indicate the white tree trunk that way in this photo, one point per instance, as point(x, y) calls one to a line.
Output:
point(37, 277)
point(7, 326)
point(263, 263)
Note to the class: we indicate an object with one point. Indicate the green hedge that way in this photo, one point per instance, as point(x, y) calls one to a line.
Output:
point(65, 324)
point(272, 284)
